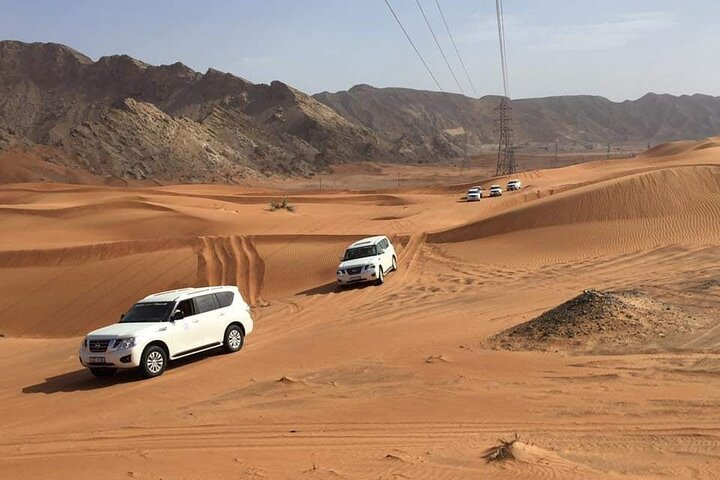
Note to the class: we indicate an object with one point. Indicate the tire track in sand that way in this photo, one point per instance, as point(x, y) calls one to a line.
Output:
point(231, 260)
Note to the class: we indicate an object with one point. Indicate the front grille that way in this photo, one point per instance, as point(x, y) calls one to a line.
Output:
point(98, 346)
point(354, 270)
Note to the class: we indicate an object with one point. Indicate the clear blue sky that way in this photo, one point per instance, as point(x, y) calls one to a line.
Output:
point(616, 48)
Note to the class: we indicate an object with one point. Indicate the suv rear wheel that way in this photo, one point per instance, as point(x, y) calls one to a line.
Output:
point(101, 372)
point(234, 339)
point(154, 361)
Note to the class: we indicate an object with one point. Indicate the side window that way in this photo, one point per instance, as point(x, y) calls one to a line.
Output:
point(225, 299)
point(206, 303)
point(186, 306)
point(384, 244)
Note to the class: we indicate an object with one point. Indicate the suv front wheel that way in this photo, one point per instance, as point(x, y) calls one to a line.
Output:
point(234, 339)
point(154, 361)
point(381, 276)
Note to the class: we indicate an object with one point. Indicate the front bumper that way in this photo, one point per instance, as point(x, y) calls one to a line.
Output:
point(111, 358)
point(363, 276)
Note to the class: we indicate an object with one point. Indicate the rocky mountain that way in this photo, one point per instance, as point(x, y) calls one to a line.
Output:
point(118, 117)
point(425, 123)
point(121, 117)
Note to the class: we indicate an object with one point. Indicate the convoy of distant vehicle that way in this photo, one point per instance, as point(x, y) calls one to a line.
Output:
point(476, 193)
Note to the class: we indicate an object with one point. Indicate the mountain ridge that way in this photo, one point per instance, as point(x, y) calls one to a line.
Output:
point(121, 117)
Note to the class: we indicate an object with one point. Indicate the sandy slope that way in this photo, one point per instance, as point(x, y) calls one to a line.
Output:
point(372, 382)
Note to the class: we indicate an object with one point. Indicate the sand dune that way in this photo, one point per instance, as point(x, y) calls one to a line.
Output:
point(681, 147)
point(682, 198)
point(393, 381)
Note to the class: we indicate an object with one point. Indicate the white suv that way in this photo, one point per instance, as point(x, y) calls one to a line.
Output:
point(166, 326)
point(514, 185)
point(474, 194)
point(367, 260)
point(495, 191)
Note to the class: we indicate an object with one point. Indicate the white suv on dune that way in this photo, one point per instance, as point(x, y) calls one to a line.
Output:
point(167, 326)
point(367, 260)
point(474, 194)
point(514, 185)
point(495, 191)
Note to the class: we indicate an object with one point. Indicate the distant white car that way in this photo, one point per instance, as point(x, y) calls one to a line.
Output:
point(367, 260)
point(474, 194)
point(514, 185)
point(495, 191)
point(167, 326)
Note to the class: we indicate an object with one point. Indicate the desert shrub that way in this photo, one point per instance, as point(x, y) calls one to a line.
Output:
point(500, 452)
point(281, 205)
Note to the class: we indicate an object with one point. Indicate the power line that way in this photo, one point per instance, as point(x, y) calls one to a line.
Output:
point(452, 39)
point(506, 164)
point(432, 32)
point(387, 2)
point(503, 51)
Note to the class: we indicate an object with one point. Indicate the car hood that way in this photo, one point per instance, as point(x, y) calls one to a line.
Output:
point(359, 262)
point(126, 329)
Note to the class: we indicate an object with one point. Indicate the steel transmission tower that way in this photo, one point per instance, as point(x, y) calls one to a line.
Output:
point(506, 151)
point(503, 113)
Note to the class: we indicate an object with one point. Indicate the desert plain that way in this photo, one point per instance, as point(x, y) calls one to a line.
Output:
point(395, 381)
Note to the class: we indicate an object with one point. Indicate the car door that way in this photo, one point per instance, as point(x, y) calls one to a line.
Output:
point(390, 252)
point(223, 315)
point(182, 335)
point(209, 318)
point(386, 256)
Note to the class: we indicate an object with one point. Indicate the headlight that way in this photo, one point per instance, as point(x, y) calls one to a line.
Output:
point(124, 343)
point(369, 267)
point(340, 272)
point(85, 343)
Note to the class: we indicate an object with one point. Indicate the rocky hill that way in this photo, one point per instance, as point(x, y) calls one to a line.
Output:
point(120, 118)
point(123, 118)
point(425, 123)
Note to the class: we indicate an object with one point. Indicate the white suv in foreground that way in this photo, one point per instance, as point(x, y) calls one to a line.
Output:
point(166, 326)
point(367, 260)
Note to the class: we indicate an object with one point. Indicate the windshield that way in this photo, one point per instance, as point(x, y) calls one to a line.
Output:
point(360, 252)
point(148, 312)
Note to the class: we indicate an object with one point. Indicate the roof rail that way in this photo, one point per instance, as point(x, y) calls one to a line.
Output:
point(170, 291)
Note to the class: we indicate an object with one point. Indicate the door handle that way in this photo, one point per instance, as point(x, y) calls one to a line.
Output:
point(196, 321)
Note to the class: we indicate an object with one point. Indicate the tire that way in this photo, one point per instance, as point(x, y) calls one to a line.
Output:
point(394, 263)
point(234, 339)
point(102, 372)
point(381, 276)
point(154, 361)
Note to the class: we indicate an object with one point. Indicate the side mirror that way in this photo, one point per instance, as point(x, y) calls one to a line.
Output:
point(177, 315)
point(122, 315)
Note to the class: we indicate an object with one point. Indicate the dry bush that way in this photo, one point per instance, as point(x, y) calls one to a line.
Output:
point(281, 205)
point(502, 451)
